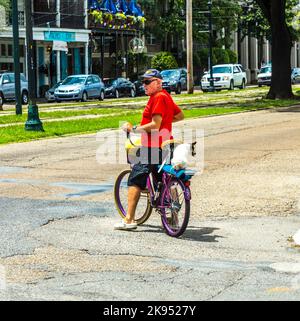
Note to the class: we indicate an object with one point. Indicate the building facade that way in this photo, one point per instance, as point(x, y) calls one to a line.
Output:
point(69, 40)
point(55, 22)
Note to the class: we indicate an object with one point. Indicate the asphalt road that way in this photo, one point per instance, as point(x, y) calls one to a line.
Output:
point(57, 216)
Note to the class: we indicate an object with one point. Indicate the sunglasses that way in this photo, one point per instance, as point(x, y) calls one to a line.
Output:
point(148, 81)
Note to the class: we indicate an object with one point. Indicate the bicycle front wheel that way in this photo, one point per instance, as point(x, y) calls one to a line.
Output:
point(143, 210)
point(175, 208)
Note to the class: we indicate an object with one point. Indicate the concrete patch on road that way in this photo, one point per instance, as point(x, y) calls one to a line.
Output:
point(45, 262)
point(286, 267)
point(84, 189)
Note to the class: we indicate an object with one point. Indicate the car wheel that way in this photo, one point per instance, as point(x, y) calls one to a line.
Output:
point(243, 86)
point(102, 95)
point(24, 98)
point(178, 90)
point(231, 87)
point(132, 93)
point(84, 97)
point(1, 101)
point(259, 86)
point(204, 90)
point(117, 94)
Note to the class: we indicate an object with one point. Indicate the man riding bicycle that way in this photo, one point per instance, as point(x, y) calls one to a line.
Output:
point(155, 128)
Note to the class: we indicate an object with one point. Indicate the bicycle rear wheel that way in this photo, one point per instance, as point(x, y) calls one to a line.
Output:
point(143, 210)
point(176, 208)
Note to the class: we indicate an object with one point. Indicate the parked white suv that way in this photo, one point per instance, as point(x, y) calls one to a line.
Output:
point(225, 77)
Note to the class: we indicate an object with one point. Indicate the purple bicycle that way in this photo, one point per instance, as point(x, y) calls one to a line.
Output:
point(170, 198)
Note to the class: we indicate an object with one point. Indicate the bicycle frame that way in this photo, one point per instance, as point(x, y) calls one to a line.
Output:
point(166, 178)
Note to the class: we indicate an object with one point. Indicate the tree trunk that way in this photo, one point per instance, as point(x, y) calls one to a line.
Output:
point(281, 87)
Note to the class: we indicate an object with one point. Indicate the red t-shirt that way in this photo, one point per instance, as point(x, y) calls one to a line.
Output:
point(159, 104)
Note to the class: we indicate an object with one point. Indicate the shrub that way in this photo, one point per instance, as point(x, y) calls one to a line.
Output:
point(233, 57)
point(164, 60)
point(221, 56)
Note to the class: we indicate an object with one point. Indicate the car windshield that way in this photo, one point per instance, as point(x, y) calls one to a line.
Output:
point(170, 73)
point(110, 82)
point(222, 70)
point(74, 81)
point(57, 85)
point(265, 70)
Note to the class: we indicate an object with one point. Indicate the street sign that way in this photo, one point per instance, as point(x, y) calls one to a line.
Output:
point(60, 46)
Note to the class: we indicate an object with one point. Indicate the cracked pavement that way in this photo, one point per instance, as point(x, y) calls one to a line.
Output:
point(57, 216)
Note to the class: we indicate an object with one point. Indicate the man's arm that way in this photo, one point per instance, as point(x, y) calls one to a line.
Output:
point(178, 117)
point(154, 125)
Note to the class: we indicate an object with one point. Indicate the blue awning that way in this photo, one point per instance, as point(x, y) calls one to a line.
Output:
point(135, 9)
point(131, 8)
point(94, 5)
point(122, 6)
point(108, 5)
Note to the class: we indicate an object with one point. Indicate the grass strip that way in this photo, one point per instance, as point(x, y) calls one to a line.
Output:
point(16, 133)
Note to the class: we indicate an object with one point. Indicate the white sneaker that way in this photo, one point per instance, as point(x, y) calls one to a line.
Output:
point(122, 226)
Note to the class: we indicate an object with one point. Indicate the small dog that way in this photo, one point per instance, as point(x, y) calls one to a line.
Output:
point(181, 153)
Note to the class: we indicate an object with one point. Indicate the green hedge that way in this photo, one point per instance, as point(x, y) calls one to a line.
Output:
point(164, 60)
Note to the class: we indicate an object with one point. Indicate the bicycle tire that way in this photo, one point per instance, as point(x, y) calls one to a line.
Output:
point(166, 224)
point(121, 207)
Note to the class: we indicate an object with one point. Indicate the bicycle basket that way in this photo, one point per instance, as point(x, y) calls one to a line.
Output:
point(133, 147)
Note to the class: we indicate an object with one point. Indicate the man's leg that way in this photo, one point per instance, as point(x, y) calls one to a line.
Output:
point(134, 193)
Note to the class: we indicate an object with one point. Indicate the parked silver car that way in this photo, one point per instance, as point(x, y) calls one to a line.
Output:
point(49, 95)
point(7, 88)
point(80, 87)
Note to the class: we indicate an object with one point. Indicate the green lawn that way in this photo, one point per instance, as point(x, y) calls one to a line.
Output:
point(197, 105)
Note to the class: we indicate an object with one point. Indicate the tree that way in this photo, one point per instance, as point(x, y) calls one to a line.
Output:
point(164, 60)
point(278, 27)
point(4, 3)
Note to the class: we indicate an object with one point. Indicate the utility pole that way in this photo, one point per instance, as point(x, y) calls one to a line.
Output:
point(33, 122)
point(189, 47)
point(15, 21)
point(211, 82)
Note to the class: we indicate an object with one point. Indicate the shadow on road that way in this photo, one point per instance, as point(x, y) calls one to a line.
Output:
point(201, 234)
point(192, 233)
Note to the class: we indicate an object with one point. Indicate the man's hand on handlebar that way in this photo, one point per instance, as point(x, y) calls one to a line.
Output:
point(127, 127)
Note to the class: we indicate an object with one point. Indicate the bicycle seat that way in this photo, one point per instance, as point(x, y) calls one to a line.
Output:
point(184, 174)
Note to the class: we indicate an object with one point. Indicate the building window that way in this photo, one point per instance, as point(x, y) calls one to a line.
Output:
point(3, 50)
point(22, 50)
point(72, 13)
point(9, 51)
point(44, 6)
point(151, 40)
point(44, 13)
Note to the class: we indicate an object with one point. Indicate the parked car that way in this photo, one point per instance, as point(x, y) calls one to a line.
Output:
point(295, 75)
point(175, 80)
point(264, 76)
point(49, 95)
point(7, 88)
point(80, 87)
point(139, 88)
point(225, 76)
point(119, 87)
